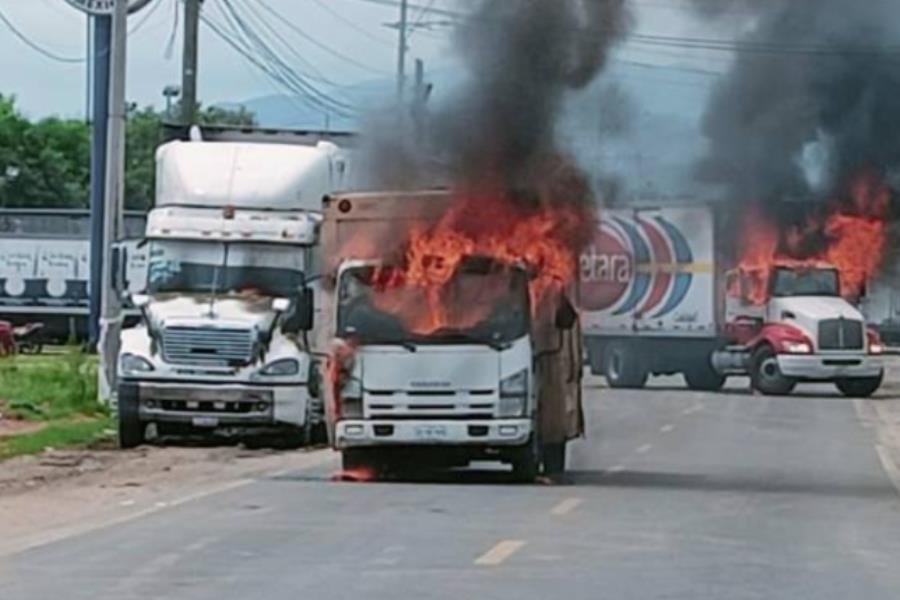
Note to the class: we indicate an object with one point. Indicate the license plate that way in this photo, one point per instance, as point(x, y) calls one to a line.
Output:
point(205, 422)
point(431, 432)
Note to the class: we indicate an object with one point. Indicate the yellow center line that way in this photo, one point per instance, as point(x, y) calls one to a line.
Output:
point(566, 506)
point(499, 553)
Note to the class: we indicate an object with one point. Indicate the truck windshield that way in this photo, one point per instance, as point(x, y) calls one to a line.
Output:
point(481, 304)
point(177, 266)
point(805, 282)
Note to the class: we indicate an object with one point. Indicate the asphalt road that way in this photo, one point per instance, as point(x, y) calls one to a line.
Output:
point(673, 495)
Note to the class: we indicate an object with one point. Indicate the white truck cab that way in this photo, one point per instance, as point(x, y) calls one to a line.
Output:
point(231, 244)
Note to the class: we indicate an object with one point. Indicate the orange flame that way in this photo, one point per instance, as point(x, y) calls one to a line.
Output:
point(850, 236)
point(537, 238)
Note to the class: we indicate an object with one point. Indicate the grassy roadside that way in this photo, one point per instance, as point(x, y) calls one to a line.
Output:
point(56, 392)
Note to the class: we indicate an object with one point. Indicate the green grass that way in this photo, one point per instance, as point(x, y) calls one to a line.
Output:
point(58, 435)
point(59, 390)
point(49, 387)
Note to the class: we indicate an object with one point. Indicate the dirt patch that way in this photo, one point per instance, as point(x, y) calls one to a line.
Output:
point(17, 426)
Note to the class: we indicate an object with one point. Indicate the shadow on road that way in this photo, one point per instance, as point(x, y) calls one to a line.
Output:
point(760, 484)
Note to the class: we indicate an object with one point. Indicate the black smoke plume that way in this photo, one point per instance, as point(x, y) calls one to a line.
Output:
point(522, 58)
point(811, 102)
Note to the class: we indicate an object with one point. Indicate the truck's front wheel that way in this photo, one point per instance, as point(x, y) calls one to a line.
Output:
point(360, 461)
point(131, 429)
point(622, 368)
point(859, 387)
point(526, 463)
point(766, 375)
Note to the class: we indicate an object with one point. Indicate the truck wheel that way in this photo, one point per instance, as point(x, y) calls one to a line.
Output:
point(766, 374)
point(704, 378)
point(555, 459)
point(131, 429)
point(360, 459)
point(622, 367)
point(527, 462)
point(859, 387)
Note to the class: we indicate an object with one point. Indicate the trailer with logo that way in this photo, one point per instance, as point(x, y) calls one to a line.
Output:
point(659, 298)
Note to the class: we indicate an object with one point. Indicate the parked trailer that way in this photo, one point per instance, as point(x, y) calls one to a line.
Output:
point(659, 299)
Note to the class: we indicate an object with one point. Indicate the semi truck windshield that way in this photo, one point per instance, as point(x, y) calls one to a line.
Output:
point(378, 305)
point(215, 267)
point(805, 282)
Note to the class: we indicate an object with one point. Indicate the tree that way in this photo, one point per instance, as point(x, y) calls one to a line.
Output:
point(47, 164)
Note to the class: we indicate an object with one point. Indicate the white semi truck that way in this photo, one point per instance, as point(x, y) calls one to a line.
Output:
point(506, 386)
point(657, 298)
point(231, 244)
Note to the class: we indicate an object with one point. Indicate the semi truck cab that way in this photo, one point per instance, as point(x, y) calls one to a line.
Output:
point(803, 331)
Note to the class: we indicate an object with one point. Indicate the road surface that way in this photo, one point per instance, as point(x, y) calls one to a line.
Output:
point(673, 495)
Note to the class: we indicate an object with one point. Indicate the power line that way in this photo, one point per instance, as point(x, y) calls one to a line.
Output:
point(350, 23)
point(261, 55)
point(315, 42)
point(34, 46)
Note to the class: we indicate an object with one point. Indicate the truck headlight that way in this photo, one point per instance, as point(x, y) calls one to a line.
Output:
point(132, 363)
point(797, 348)
point(876, 348)
point(285, 367)
point(513, 395)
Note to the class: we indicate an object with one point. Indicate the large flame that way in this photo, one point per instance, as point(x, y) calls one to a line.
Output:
point(541, 239)
point(850, 235)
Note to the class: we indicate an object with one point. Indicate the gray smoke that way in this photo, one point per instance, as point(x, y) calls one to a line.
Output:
point(813, 100)
point(522, 58)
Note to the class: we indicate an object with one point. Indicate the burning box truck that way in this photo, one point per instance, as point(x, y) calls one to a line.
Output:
point(231, 242)
point(445, 348)
point(657, 298)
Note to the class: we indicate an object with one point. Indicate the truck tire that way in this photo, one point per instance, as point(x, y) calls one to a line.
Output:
point(360, 459)
point(622, 368)
point(555, 459)
point(526, 463)
point(704, 378)
point(859, 387)
point(131, 429)
point(766, 376)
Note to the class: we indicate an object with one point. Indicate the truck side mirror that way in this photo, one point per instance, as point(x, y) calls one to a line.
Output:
point(301, 319)
point(566, 316)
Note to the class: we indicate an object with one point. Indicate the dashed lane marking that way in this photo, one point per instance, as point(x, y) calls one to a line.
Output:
point(616, 469)
point(693, 409)
point(644, 449)
point(667, 428)
point(566, 506)
point(499, 553)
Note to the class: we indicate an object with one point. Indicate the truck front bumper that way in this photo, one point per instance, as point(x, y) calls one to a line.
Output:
point(828, 367)
point(432, 432)
point(236, 405)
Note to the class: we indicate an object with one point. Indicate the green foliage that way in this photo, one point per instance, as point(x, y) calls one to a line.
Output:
point(50, 387)
point(62, 434)
point(46, 164)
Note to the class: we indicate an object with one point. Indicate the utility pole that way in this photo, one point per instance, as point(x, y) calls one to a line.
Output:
point(189, 62)
point(110, 307)
point(401, 54)
point(102, 31)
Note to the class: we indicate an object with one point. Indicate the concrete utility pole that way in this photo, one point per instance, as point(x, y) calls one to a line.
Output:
point(401, 54)
point(110, 307)
point(102, 31)
point(189, 61)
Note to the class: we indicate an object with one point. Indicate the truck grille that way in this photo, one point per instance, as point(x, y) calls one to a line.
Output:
point(189, 345)
point(841, 334)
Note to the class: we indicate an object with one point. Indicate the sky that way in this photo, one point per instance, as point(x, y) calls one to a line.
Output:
point(346, 41)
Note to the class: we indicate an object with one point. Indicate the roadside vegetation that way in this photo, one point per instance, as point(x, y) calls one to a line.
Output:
point(56, 394)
